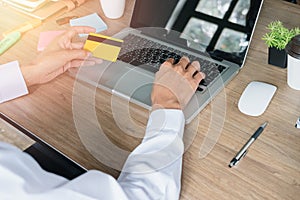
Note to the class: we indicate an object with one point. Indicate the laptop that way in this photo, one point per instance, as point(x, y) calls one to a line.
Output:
point(217, 33)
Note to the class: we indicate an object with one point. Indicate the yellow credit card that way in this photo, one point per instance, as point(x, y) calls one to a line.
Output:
point(102, 46)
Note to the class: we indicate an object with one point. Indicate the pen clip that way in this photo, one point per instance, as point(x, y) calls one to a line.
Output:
point(244, 154)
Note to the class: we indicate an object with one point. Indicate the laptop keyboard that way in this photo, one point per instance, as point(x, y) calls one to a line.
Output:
point(149, 55)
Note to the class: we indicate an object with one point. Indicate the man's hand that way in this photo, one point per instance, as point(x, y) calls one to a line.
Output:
point(175, 84)
point(63, 53)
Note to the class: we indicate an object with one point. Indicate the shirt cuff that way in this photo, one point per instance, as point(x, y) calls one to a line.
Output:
point(12, 83)
point(162, 120)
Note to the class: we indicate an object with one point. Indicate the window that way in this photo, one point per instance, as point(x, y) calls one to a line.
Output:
point(240, 12)
point(215, 24)
point(232, 41)
point(215, 8)
point(199, 32)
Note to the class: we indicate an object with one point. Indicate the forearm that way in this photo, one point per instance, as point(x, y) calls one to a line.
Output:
point(153, 169)
point(31, 74)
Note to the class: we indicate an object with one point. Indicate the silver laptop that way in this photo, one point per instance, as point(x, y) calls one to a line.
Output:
point(217, 33)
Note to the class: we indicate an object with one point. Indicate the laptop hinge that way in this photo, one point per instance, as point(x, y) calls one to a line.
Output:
point(172, 37)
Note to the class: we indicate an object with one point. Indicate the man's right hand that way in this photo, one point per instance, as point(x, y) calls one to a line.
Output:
point(175, 84)
point(63, 53)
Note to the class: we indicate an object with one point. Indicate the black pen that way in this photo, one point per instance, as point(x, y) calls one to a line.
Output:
point(245, 148)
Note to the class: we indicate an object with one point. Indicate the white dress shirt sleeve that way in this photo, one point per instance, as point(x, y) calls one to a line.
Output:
point(152, 171)
point(12, 84)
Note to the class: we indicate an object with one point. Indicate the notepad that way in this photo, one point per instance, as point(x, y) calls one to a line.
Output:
point(46, 38)
point(27, 5)
point(102, 46)
point(92, 20)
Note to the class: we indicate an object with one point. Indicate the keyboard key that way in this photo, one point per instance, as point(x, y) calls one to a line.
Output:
point(136, 62)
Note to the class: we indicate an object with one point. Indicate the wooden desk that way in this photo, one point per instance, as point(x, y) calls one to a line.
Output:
point(271, 169)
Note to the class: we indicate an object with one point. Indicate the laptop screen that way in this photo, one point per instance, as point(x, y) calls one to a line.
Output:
point(222, 28)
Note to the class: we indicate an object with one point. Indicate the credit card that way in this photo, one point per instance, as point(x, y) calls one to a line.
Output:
point(103, 47)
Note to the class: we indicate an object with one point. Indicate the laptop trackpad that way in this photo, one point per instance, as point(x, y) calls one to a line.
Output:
point(129, 82)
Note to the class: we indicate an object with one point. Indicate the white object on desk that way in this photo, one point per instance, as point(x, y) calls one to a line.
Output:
point(113, 9)
point(256, 98)
point(293, 72)
point(12, 83)
point(293, 64)
point(92, 20)
point(27, 5)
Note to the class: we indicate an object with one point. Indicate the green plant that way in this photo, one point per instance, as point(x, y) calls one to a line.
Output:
point(279, 36)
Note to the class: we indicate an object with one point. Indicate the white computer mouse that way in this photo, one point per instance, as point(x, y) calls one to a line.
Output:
point(256, 98)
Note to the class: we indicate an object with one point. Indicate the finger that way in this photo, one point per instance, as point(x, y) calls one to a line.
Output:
point(196, 64)
point(87, 61)
point(79, 63)
point(66, 56)
point(96, 60)
point(90, 58)
point(77, 54)
point(169, 62)
point(193, 68)
point(198, 77)
point(75, 30)
point(183, 62)
point(77, 45)
point(71, 33)
point(167, 65)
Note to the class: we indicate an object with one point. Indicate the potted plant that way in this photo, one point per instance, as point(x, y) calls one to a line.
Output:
point(276, 39)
